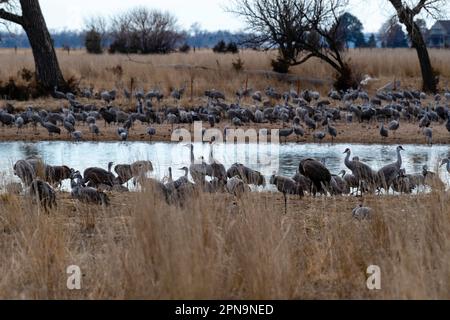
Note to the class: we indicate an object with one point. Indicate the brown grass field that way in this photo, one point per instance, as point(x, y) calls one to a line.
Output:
point(219, 246)
point(208, 70)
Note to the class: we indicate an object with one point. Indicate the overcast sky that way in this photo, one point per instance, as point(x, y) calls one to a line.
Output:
point(209, 13)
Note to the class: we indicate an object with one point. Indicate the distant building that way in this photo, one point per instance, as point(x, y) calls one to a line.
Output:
point(439, 35)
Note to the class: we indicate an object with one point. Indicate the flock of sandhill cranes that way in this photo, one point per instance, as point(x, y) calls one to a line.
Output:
point(298, 114)
point(312, 177)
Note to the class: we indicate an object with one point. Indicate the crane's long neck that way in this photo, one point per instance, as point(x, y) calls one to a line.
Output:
point(211, 153)
point(399, 158)
point(192, 154)
point(348, 163)
point(170, 175)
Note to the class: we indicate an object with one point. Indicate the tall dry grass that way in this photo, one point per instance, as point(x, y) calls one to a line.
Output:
point(216, 70)
point(217, 247)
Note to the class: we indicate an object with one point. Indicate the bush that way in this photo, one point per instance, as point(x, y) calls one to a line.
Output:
point(220, 47)
point(223, 47)
point(232, 48)
point(93, 42)
point(238, 65)
point(346, 79)
point(280, 65)
point(185, 48)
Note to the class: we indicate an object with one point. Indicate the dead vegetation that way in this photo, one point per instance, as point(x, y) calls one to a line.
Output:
point(218, 247)
point(207, 70)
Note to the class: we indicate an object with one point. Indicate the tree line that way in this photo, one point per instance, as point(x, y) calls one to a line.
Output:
point(99, 36)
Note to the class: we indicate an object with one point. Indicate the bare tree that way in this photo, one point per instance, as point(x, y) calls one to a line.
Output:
point(299, 30)
point(407, 12)
point(145, 31)
point(100, 26)
point(28, 14)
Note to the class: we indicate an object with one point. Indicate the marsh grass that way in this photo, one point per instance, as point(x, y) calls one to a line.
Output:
point(218, 247)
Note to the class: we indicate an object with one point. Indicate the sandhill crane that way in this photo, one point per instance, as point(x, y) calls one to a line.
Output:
point(319, 135)
point(362, 213)
point(361, 171)
point(285, 133)
point(58, 94)
point(350, 180)
point(236, 186)
point(394, 126)
point(87, 194)
point(19, 122)
point(151, 132)
point(257, 96)
point(214, 95)
point(425, 122)
point(77, 136)
point(428, 133)
point(178, 190)
point(43, 193)
point(97, 176)
point(319, 175)
point(95, 131)
point(218, 169)
point(446, 162)
point(246, 174)
point(384, 133)
point(69, 127)
point(405, 183)
point(339, 186)
point(107, 115)
point(198, 170)
point(298, 130)
point(51, 128)
point(107, 96)
point(332, 131)
point(25, 171)
point(55, 175)
point(136, 171)
point(310, 123)
point(303, 181)
point(389, 173)
point(177, 94)
point(286, 186)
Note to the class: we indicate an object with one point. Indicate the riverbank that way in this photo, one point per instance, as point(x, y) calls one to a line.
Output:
point(408, 133)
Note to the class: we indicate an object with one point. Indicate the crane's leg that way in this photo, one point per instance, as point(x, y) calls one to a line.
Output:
point(285, 203)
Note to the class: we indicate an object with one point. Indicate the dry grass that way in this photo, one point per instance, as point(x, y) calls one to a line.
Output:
point(168, 71)
point(211, 249)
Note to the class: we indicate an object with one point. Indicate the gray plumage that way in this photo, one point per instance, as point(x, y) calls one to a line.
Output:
point(389, 173)
point(362, 213)
point(362, 172)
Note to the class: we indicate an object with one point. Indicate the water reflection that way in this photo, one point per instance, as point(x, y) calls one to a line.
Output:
point(282, 159)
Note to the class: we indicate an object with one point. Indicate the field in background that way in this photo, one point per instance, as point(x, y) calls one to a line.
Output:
point(207, 70)
point(217, 247)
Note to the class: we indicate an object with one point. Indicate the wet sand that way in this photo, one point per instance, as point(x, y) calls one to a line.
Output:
point(408, 133)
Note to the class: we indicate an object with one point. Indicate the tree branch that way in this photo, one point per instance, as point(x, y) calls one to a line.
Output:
point(11, 17)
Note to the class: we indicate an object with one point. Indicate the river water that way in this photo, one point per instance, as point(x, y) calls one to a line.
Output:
point(283, 159)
